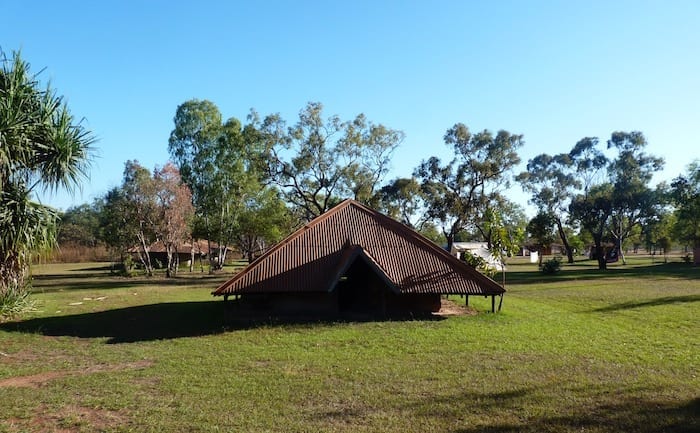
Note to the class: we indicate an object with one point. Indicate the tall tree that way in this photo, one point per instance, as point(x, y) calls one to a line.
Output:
point(592, 212)
point(318, 162)
point(139, 194)
point(42, 146)
point(551, 181)
point(118, 232)
point(624, 200)
point(174, 212)
point(633, 201)
point(220, 162)
point(685, 191)
point(457, 193)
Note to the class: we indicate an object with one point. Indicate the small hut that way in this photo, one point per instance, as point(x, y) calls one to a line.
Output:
point(355, 259)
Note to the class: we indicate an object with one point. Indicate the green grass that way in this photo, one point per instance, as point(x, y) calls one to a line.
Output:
point(583, 351)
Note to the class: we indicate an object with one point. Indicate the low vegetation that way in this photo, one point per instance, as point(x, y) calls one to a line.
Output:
point(583, 350)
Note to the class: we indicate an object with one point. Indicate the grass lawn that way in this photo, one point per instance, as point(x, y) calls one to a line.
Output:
point(582, 351)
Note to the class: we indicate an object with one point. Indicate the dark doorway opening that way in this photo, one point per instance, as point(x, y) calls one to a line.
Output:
point(360, 289)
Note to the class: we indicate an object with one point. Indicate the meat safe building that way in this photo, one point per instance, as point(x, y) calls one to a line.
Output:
point(355, 259)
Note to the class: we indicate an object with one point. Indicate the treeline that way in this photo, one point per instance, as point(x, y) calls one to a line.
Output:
point(248, 185)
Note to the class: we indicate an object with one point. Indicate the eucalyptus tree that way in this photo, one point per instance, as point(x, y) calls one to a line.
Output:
point(551, 180)
point(139, 195)
point(118, 233)
point(174, 212)
point(634, 202)
point(220, 162)
point(623, 200)
point(592, 212)
point(685, 192)
point(318, 162)
point(42, 147)
point(457, 194)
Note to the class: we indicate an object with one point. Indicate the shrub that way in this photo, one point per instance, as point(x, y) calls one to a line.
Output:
point(552, 266)
point(14, 300)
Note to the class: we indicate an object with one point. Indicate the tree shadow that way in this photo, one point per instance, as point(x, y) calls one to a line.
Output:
point(619, 413)
point(573, 273)
point(172, 320)
point(628, 415)
point(651, 303)
point(48, 283)
point(624, 412)
point(131, 324)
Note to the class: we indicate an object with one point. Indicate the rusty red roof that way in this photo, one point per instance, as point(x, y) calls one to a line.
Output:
point(314, 258)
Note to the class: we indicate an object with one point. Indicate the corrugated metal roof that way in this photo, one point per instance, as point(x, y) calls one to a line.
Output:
point(313, 258)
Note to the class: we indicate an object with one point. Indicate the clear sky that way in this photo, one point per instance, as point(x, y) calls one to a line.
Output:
point(555, 71)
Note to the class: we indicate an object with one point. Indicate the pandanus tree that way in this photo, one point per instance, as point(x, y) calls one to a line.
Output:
point(42, 148)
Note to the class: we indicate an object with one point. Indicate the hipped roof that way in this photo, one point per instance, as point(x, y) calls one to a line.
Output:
point(314, 258)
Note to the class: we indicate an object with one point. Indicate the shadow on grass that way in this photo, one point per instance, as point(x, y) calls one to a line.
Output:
point(651, 303)
point(618, 413)
point(174, 320)
point(627, 415)
point(583, 272)
point(623, 411)
point(52, 283)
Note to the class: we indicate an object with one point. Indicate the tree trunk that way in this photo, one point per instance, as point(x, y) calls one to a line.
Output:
point(192, 256)
point(176, 262)
point(450, 237)
point(169, 260)
point(145, 256)
point(619, 251)
point(600, 255)
point(565, 241)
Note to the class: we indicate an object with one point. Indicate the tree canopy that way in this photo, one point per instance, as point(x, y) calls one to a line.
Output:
point(320, 161)
point(685, 191)
point(624, 199)
point(457, 194)
point(221, 163)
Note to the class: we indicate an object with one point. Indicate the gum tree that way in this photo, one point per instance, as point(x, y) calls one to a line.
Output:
point(320, 161)
point(457, 194)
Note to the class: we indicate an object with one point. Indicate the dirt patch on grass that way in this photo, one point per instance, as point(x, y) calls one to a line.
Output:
point(449, 308)
point(37, 380)
point(68, 419)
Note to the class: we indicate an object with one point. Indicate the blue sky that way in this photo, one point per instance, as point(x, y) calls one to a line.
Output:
point(555, 71)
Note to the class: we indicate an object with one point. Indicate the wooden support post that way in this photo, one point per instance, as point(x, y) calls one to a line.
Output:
point(500, 303)
point(466, 300)
point(493, 303)
point(225, 298)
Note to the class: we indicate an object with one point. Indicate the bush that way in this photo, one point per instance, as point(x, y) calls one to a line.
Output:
point(552, 266)
point(14, 300)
